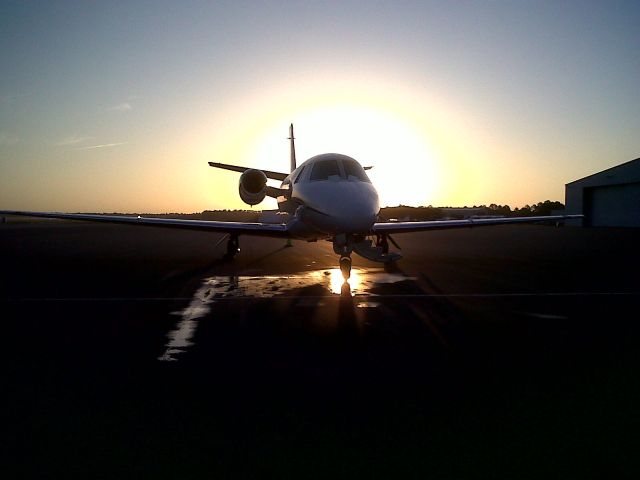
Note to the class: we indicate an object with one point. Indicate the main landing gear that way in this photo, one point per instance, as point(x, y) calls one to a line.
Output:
point(383, 243)
point(233, 246)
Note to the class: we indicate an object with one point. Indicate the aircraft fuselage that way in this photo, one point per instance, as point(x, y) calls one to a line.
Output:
point(330, 194)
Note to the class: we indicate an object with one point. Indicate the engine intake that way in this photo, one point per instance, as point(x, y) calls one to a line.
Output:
point(253, 186)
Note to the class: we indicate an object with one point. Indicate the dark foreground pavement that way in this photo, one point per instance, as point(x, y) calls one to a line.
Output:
point(506, 352)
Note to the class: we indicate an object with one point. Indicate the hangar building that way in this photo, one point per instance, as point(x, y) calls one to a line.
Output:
point(610, 198)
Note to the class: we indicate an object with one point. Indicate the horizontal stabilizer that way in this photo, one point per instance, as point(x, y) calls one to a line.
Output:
point(235, 168)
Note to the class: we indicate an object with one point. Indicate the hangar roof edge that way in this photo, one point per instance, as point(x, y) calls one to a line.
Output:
point(604, 171)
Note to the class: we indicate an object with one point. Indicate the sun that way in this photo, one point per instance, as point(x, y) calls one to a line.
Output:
point(405, 169)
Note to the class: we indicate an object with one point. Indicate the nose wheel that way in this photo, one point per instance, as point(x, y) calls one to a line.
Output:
point(345, 267)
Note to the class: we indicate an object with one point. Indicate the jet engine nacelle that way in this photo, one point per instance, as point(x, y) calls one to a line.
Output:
point(253, 186)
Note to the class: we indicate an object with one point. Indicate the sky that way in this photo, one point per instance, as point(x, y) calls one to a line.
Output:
point(118, 106)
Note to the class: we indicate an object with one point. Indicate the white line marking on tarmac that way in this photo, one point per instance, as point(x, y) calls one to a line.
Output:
point(336, 296)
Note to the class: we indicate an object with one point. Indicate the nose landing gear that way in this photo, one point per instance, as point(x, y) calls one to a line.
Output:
point(343, 245)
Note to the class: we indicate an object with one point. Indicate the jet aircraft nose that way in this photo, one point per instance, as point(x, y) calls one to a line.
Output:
point(350, 207)
point(355, 216)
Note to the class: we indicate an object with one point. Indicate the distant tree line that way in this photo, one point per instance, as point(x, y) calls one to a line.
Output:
point(219, 215)
point(401, 212)
point(538, 209)
point(414, 213)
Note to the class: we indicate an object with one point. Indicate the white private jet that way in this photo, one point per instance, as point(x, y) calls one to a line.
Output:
point(328, 197)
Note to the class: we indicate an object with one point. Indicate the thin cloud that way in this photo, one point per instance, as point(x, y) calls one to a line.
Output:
point(12, 98)
point(72, 140)
point(8, 139)
point(104, 145)
point(121, 107)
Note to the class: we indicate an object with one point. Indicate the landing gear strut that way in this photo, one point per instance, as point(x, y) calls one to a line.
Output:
point(343, 246)
point(233, 246)
point(345, 267)
point(381, 241)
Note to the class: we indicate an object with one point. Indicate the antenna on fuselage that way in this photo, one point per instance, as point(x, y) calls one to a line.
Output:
point(293, 148)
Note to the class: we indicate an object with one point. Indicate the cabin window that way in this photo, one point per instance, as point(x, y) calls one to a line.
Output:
point(324, 169)
point(354, 169)
point(299, 174)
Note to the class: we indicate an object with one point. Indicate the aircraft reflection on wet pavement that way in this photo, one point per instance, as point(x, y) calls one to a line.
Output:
point(306, 289)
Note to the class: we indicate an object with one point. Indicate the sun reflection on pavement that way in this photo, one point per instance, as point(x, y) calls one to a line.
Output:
point(219, 288)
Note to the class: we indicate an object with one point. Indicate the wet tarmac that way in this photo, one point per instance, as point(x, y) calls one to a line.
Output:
point(504, 352)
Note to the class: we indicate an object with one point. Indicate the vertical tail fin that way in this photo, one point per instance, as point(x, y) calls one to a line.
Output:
point(293, 148)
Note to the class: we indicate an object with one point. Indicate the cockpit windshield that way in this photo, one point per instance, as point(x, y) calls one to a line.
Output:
point(324, 169)
point(354, 169)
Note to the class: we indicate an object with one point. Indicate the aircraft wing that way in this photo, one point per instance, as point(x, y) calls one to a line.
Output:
point(399, 227)
point(245, 228)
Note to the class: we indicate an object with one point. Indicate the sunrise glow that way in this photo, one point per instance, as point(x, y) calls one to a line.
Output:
point(452, 104)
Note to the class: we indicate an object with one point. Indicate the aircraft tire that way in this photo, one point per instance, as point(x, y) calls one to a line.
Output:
point(345, 267)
